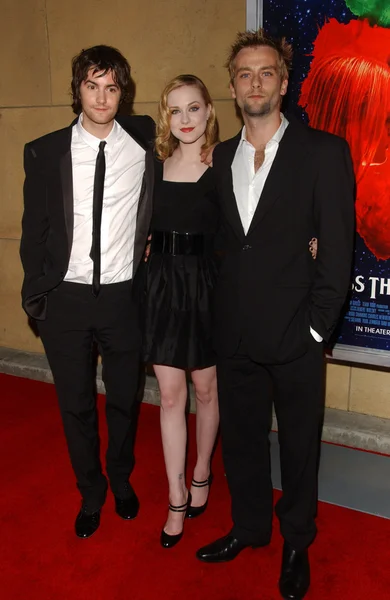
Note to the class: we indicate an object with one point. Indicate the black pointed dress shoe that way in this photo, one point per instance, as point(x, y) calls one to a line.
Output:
point(295, 573)
point(167, 540)
point(196, 511)
point(127, 508)
point(223, 549)
point(86, 523)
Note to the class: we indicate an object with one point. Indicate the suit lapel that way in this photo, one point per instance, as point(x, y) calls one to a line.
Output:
point(146, 194)
point(287, 163)
point(67, 184)
point(227, 190)
point(145, 208)
point(133, 132)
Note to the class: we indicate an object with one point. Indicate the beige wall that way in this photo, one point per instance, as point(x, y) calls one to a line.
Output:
point(161, 39)
point(357, 389)
point(39, 38)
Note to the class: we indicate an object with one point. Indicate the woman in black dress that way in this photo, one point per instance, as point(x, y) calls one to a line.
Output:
point(181, 272)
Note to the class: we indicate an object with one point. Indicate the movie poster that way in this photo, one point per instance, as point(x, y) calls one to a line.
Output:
point(341, 83)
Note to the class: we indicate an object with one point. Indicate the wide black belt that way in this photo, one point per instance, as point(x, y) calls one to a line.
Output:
point(174, 243)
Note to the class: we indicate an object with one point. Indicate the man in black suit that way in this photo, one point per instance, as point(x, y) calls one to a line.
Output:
point(281, 184)
point(85, 223)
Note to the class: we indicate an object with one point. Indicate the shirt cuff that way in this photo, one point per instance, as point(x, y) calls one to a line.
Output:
point(316, 335)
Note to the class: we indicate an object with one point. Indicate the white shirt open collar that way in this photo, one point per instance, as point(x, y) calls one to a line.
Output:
point(275, 138)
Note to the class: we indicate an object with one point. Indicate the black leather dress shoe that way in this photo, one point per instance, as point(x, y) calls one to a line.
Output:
point(127, 508)
point(223, 549)
point(86, 523)
point(295, 573)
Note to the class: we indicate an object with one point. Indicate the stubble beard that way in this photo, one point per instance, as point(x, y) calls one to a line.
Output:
point(257, 111)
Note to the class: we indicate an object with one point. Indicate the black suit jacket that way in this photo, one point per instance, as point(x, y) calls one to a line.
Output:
point(47, 224)
point(270, 290)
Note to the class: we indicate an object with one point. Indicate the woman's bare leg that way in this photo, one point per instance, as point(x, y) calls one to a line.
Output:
point(207, 421)
point(173, 393)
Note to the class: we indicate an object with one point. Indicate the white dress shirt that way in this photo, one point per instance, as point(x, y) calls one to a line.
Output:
point(125, 165)
point(248, 184)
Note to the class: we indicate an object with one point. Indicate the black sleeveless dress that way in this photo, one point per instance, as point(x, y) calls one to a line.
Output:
point(180, 273)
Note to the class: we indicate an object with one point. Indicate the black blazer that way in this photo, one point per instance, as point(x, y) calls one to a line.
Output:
point(270, 290)
point(47, 224)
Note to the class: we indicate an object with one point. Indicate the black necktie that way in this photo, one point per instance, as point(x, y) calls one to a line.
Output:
point(98, 189)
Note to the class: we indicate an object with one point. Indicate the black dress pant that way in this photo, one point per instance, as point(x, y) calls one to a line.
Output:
point(75, 320)
point(246, 392)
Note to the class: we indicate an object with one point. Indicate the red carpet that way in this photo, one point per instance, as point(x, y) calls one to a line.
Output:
point(41, 558)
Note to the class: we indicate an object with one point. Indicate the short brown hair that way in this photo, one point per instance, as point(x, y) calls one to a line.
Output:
point(252, 38)
point(166, 143)
point(104, 59)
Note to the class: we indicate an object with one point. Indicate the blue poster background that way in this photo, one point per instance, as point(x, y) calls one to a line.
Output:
point(366, 322)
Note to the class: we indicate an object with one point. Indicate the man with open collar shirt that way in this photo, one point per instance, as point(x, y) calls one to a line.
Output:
point(280, 185)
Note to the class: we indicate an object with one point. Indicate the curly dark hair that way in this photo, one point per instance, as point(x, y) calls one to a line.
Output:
point(104, 59)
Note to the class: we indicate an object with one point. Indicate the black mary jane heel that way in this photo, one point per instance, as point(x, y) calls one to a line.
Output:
point(168, 541)
point(196, 511)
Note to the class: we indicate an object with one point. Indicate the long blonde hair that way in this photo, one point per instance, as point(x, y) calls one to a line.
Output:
point(165, 142)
